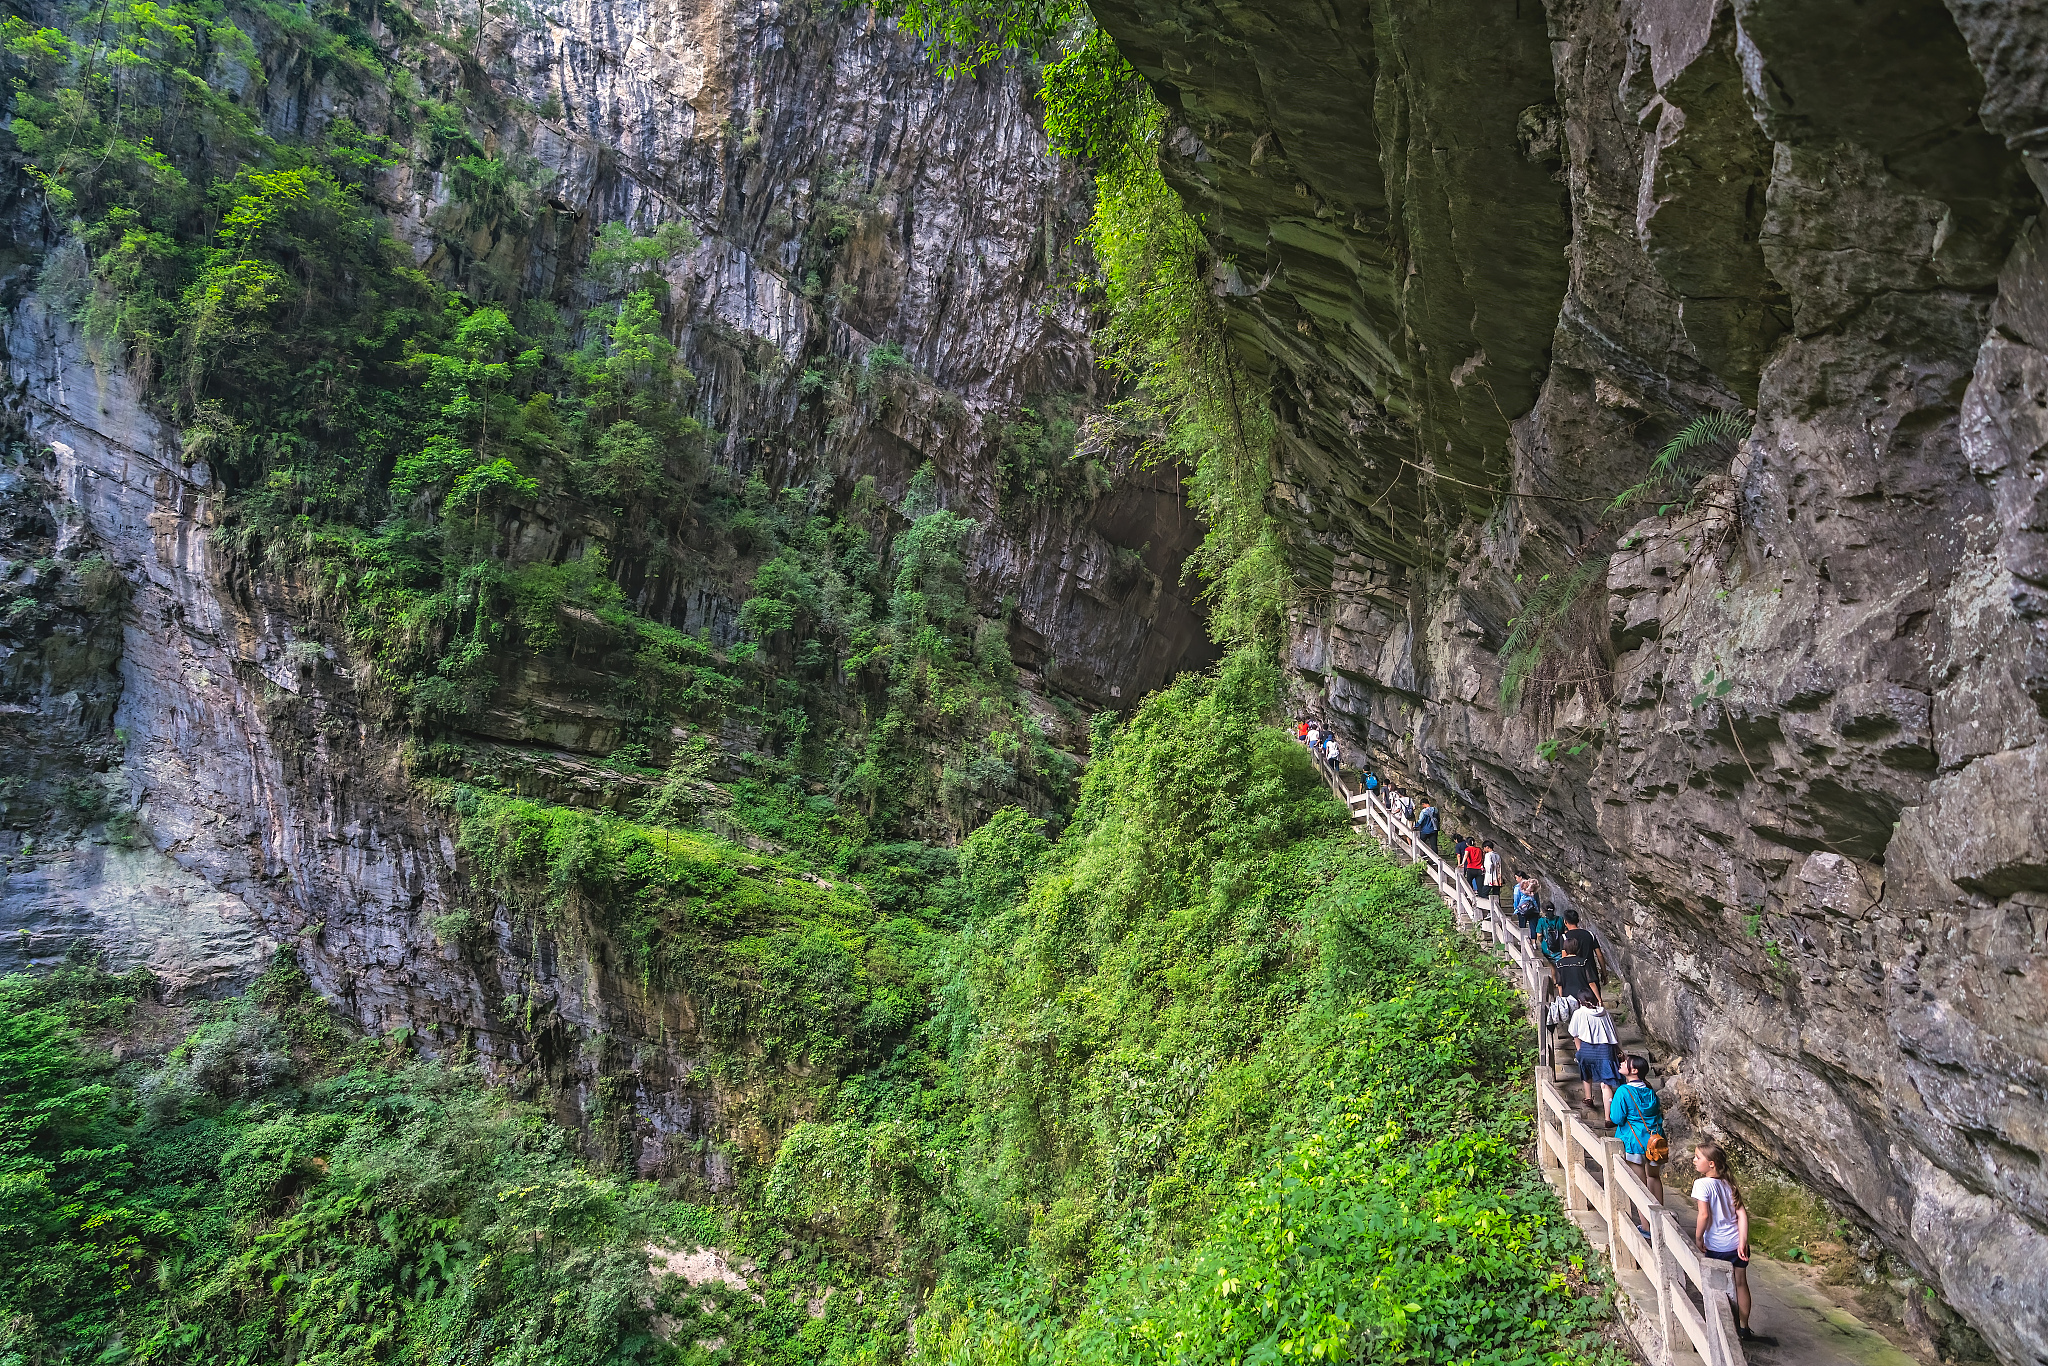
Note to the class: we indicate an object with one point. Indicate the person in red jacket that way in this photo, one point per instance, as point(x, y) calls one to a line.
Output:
point(1475, 868)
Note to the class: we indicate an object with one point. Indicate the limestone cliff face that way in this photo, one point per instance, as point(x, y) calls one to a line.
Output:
point(195, 779)
point(1784, 743)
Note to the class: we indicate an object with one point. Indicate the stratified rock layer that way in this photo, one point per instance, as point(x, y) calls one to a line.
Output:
point(1783, 742)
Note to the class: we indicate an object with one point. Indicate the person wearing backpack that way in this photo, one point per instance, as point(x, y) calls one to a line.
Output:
point(1638, 1119)
point(1722, 1227)
point(1549, 925)
point(1372, 781)
point(1426, 824)
point(1526, 906)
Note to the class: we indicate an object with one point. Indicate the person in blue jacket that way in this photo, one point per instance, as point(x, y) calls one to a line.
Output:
point(1525, 903)
point(1426, 824)
point(1638, 1118)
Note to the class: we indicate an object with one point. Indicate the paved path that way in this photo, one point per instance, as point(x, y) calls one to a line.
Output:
point(1807, 1328)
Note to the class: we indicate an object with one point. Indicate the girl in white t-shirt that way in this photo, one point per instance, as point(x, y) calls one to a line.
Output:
point(1723, 1227)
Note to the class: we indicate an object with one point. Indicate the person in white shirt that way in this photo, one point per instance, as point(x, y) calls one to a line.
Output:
point(1492, 874)
point(1592, 1030)
point(1723, 1227)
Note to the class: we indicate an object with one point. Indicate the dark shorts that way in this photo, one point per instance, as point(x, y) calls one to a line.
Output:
point(1728, 1257)
point(1596, 1063)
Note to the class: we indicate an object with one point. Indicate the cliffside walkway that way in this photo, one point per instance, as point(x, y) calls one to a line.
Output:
point(1674, 1301)
point(1664, 1281)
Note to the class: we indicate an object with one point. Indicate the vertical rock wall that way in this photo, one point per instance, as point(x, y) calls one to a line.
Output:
point(1783, 742)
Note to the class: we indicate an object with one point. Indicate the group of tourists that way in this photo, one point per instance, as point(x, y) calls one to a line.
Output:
point(1578, 969)
point(1322, 746)
point(1628, 1103)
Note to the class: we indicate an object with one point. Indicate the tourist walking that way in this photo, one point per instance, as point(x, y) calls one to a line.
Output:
point(1578, 958)
point(1493, 872)
point(1426, 824)
point(1473, 859)
point(1526, 905)
point(1722, 1228)
point(1596, 1046)
point(1638, 1117)
point(1549, 925)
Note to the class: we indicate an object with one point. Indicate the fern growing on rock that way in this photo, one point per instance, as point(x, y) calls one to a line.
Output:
point(1676, 471)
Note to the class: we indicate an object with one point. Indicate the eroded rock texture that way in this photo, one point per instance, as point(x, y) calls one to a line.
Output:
point(1784, 741)
point(194, 778)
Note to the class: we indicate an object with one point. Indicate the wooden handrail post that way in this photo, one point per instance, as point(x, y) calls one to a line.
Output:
point(1620, 1211)
point(1717, 1285)
point(1665, 1273)
point(1572, 1160)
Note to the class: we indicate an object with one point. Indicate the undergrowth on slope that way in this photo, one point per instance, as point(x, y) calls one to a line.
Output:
point(1207, 1081)
point(272, 1190)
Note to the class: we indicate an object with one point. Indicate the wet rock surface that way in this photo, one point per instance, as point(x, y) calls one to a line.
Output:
point(1782, 740)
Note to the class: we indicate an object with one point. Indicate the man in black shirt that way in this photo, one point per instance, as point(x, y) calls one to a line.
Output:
point(1580, 962)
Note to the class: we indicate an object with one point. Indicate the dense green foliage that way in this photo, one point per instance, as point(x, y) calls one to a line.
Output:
point(1040, 457)
point(784, 968)
point(966, 35)
point(1206, 1081)
point(271, 1192)
point(1201, 1080)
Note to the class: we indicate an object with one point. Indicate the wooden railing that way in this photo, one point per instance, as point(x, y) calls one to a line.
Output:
point(1677, 1288)
point(1594, 1180)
